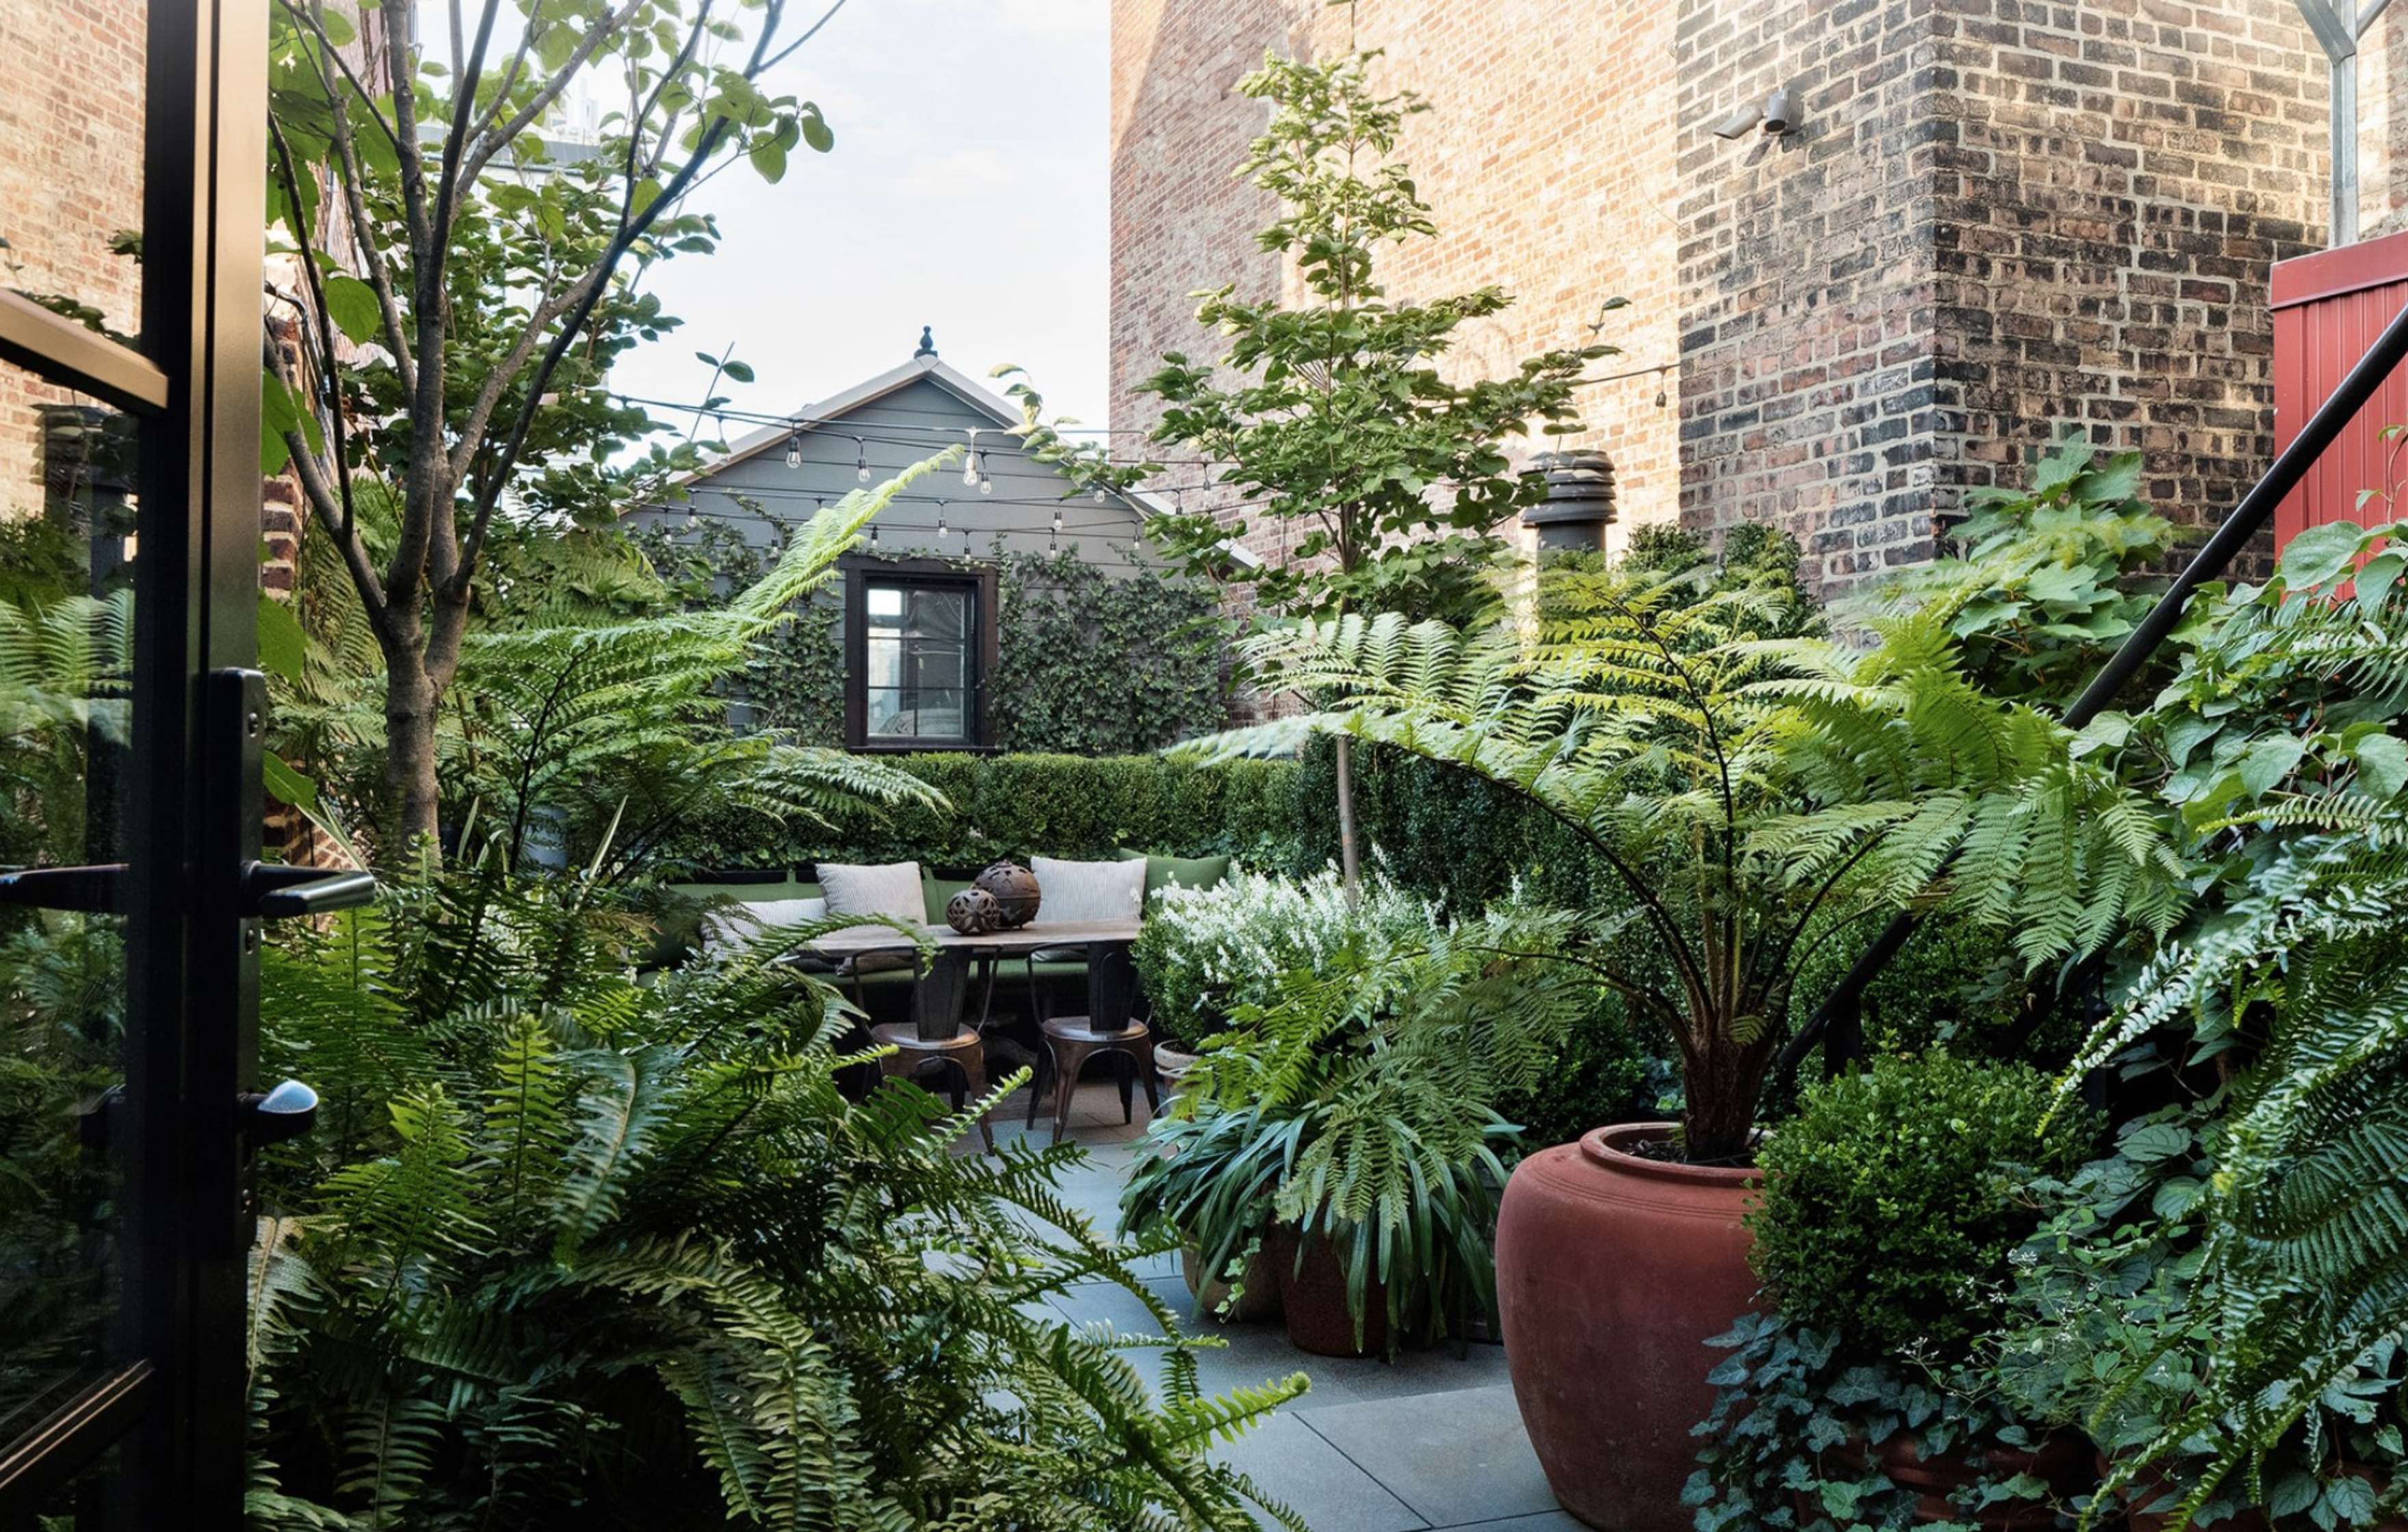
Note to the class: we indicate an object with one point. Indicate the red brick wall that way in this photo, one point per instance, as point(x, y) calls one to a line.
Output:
point(70, 178)
point(1546, 160)
point(1994, 218)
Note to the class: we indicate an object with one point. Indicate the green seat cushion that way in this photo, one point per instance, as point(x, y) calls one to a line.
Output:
point(936, 893)
point(1187, 871)
point(1061, 968)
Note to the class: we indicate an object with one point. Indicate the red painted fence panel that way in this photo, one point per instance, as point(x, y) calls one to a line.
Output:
point(2329, 307)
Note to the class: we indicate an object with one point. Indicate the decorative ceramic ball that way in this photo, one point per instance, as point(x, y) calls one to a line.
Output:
point(973, 912)
point(1015, 892)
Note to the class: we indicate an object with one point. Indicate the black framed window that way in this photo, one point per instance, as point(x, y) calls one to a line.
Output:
point(920, 642)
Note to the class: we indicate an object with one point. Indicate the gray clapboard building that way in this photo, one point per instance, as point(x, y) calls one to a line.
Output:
point(918, 628)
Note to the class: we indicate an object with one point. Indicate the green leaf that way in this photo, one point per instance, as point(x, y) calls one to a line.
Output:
point(282, 648)
point(278, 414)
point(2382, 763)
point(2320, 553)
point(2155, 1142)
point(352, 304)
point(2268, 761)
point(768, 157)
point(339, 30)
point(816, 132)
point(741, 371)
point(286, 785)
point(2374, 581)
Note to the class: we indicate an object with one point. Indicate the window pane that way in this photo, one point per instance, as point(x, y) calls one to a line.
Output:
point(918, 676)
point(71, 157)
point(66, 641)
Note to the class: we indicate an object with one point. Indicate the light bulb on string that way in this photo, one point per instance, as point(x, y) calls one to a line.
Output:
point(973, 469)
point(861, 460)
point(940, 521)
point(873, 534)
point(1053, 539)
point(794, 451)
point(1099, 494)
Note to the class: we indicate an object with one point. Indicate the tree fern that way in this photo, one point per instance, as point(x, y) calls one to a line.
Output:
point(1758, 795)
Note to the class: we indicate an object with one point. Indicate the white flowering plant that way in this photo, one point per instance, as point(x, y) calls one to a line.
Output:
point(1205, 952)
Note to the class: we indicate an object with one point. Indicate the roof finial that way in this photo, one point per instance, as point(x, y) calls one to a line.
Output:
point(927, 341)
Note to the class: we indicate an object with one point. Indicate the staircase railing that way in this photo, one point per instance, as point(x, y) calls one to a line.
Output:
point(1841, 1016)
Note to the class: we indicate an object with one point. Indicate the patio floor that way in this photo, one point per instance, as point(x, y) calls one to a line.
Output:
point(1432, 1440)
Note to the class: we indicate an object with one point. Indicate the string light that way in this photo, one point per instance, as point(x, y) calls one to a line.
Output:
point(861, 460)
point(795, 452)
point(873, 534)
point(1053, 539)
point(940, 521)
point(1099, 496)
point(973, 467)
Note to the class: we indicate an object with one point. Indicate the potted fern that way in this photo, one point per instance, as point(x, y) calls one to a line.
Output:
point(1762, 797)
point(1340, 1140)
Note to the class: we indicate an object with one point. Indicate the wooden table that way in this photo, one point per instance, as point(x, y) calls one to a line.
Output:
point(944, 982)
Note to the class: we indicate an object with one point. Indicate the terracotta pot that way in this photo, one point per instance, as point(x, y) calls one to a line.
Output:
point(1612, 1271)
point(1171, 1064)
point(1260, 1301)
point(1312, 1297)
point(2061, 1462)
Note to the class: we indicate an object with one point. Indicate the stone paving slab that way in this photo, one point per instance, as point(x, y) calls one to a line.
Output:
point(1454, 1458)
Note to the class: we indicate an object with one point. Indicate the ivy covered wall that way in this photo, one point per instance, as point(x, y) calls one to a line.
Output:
point(1093, 660)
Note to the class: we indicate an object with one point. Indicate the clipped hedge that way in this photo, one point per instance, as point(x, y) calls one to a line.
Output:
point(1082, 807)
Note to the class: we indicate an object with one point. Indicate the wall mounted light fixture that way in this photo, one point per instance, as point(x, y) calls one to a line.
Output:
point(1773, 114)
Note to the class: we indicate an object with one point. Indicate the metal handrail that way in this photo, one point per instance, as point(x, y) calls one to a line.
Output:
point(1844, 1005)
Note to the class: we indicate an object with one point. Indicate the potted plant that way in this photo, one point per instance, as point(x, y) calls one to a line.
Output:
point(1344, 1137)
point(1206, 952)
point(1891, 1208)
point(1759, 795)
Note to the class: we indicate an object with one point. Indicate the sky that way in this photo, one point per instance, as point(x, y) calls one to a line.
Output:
point(968, 191)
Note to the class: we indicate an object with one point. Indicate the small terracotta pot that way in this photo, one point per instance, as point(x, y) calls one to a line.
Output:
point(2061, 1463)
point(1260, 1301)
point(1171, 1064)
point(1612, 1271)
point(1312, 1298)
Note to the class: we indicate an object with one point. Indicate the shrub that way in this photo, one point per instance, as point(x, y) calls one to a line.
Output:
point(1022, 805)
point(1600, 1074)
point(1893, 1199)
point(1204, 952)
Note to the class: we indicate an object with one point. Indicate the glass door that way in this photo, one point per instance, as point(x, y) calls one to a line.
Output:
point(132, 152)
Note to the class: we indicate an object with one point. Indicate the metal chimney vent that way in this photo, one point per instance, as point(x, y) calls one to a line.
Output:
point(1579, 505)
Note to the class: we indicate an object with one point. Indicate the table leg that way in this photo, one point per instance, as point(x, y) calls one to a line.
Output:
point(936, 998)
point(1112, 987)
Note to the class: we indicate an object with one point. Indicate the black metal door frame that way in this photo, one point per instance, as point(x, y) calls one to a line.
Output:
point(173, 1399)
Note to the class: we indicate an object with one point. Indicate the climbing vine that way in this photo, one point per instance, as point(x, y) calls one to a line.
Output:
point(1092, 661)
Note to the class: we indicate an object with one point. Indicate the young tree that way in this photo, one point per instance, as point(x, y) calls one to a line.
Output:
point(485, 284)
point(1332, 417)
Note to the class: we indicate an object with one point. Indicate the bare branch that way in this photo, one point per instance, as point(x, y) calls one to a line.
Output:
point(490, 143)
point(509, 76)
point(342, 464)
point(464, 106)
point(497, 381)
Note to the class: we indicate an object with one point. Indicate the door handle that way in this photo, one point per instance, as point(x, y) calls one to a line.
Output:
point(275, 892)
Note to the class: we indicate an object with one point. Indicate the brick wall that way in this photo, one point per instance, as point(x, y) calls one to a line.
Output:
point(70, 178)
point(1546, 160)
point(1996, 217)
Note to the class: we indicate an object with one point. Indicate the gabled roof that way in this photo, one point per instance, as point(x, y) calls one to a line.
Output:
point(823, 415)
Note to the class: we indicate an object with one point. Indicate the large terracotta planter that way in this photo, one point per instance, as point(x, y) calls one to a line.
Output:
point(1612, 1271)
point(1312, 1298)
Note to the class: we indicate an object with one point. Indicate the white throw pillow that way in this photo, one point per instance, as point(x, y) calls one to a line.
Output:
point(891, 889)
point(1078, 892)
point(741, 923)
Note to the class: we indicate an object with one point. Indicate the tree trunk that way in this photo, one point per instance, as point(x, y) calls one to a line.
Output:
point(1718, 1118)
point(1349, 862)
point(411, 798)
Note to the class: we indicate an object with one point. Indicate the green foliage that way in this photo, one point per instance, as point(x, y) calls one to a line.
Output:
point(1358, 1107)
point(1785, 1440)
point(1091, 662)
point(2048, 580)
point(1891, 1200)
point(1755, 795)
point(572, 1250)
point(1079, 807)
point(2101, 1334)
point(1105, 664)
point(1206, 953)
point(2279, 735)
